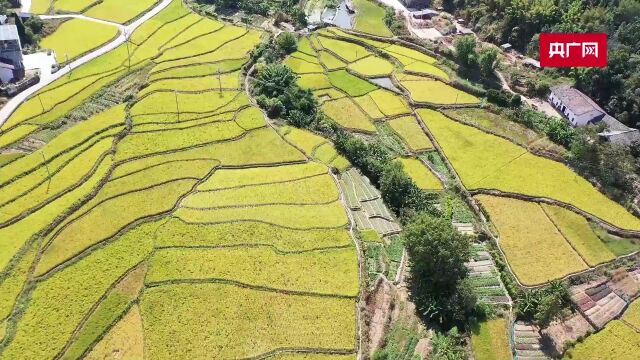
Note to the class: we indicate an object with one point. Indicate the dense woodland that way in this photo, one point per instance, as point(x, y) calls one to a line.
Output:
point(519, 22)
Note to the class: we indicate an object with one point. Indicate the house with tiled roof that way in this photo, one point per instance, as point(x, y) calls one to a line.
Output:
point(581, 110)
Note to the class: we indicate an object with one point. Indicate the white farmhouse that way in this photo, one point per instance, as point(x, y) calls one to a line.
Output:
point(575, 106)
point(580, 110)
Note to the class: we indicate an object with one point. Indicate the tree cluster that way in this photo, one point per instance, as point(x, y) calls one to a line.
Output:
point(544, 305)
point(472, 59)
point(519, 22)
point(438, 253)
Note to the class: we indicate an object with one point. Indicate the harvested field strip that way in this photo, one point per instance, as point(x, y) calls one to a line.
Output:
point(410, 131)
point(113, 215)
point(224, 66)
point(19, 233)
point(16, 134)
point(52, 315)
point(116, 304)
point(372, 66)
point(535, 250)
point(201, 83)
point(70, 176)
point(348, 115)
point(172, 12)
point(389, 103)
point(331, 272)
point(125, 339)
point(231, 50)
point(76, 37)
point(578, 232)
point(489, 162)
point(436, 92)
point(42, 109)
point(490, 341)
point(14, 280)
point(120, 11)
point(176, 233)
point(228, 179)
point(615, 341)
point(273, 320)
point(142, 144)
point(420, 174)
point(307, 216)
point(203, 27)
point(351, 84)
point(347, 51)
point(314, 190)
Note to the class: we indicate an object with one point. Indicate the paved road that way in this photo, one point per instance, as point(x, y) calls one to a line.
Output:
point(126, 32)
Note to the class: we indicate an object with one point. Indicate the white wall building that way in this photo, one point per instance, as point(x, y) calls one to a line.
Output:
point(575, 106)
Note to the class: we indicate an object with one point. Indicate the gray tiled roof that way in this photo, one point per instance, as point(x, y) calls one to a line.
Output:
point(575, 100)
point(9, 32)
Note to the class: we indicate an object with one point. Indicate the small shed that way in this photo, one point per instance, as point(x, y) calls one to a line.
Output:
point(506, 47)
point(425, 14)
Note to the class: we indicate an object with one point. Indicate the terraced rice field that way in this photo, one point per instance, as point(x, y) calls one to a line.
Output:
point(616, 341)
point(195, 178)
point(369, 18)
point(536, 251)
point(76, 37)
point(485, 161)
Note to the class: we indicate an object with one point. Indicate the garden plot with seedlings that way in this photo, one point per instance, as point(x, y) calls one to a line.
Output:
point(188, 172)
point(485, 161)
point(484, 277)
point(535, 250)
point(76, 37)
point(598, 302)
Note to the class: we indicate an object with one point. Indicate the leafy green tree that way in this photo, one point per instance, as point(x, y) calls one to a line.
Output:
point(487, 61)
point(395, 185)
point(466, 50)
point(287, 42)
point(273, 79)
point(438, 253)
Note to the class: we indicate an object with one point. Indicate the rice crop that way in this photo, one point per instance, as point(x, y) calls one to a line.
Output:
point(487, 161)
point(208, 313)
point(326, 272)
point(535, 250)
point(408, 129)
point(307, 216)
point(347, 114)
point(420, 174)
point(352, 85)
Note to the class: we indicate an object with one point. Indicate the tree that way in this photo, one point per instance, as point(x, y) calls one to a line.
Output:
point(466, 50)
point(395, 185)
point(287, 42)
point(487, 61)
point(273, 79)
point(438, 253)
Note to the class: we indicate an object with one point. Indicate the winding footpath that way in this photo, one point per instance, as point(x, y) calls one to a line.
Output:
point(125, 33)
